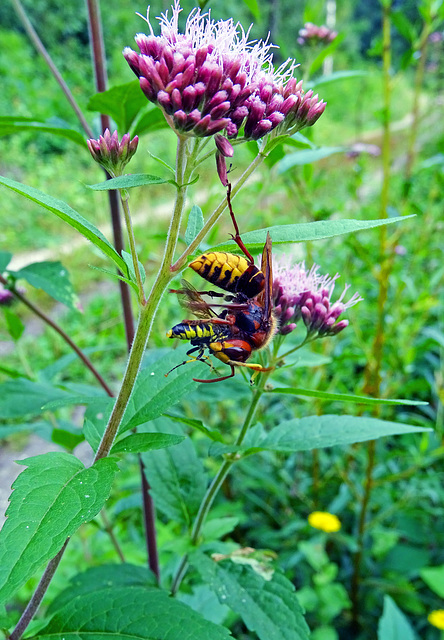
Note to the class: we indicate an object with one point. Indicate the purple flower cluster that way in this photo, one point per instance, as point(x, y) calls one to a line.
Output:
point(298, 293)
point(112, 154)
point(312, 35)
point(210, 79)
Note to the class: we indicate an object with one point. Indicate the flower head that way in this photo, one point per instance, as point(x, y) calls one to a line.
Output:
point(436, 618)
point(298, 293)
point(211, 78)
point(312, 35)
point(324, 521)
point(112, 154)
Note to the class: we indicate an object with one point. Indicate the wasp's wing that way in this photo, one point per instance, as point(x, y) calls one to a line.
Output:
point(267, 270)
point(191, 299)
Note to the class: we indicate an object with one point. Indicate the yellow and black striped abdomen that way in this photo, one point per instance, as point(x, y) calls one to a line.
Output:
point(229, 272)
point(188, 331)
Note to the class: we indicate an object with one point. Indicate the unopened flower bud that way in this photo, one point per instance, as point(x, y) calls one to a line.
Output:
point(111, 154)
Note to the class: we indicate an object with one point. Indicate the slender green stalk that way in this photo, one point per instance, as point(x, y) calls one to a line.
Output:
point(218, 480)
point(181, 262)
point(146, 318)
point(124, 197)
point(372, 375)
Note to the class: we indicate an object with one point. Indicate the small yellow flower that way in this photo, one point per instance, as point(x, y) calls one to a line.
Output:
point(436, 618)
point(324, 521)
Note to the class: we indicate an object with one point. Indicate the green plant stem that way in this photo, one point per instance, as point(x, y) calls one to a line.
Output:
point(146, 318)
point(372, 374)
point(218, 480)
point(181, 262)
point(124, 197)
point(42, 315)
point(148, 311)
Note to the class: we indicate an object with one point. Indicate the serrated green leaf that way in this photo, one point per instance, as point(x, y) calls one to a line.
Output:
point(67, 214)
point(434, 579)
point(5, 259)
point(343, 397)
point(53, 278)
point(112, 576)
point(267, 604)
point(217, 528)
point(95, 420)
point(176, 475)
point(195, 224)
point(12, 124)
point(304, 232)
point(13, 323)
point(306, 156)
point(138, 442)
point(122, 102)
point(154, 393)
point(51, 499)
point(129, 613)
point(394, 625)
point(23, 397)
point(128, 182)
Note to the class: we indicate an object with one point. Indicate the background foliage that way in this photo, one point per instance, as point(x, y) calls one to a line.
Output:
point(386, 494)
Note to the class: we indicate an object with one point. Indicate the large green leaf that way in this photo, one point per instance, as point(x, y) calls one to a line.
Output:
point(13, 323)
point(128, 182)
point(128, 613)
point(176, 476)
point(53, 278)
point(154, 393)
point(153, 120)
point(138, 442)
point(67, 214)
point(342, 397)
point(394, 625)
point(51, 499)
point(113, 576)
point(304, 232)
point(265, 599)
point(13, 124)
point(122, 102)
point(23, 397)
point(316, 432)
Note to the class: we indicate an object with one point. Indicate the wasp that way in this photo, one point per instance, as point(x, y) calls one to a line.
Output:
point(246, 322)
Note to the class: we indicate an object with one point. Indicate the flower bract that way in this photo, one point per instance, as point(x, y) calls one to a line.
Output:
point(212, 79)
